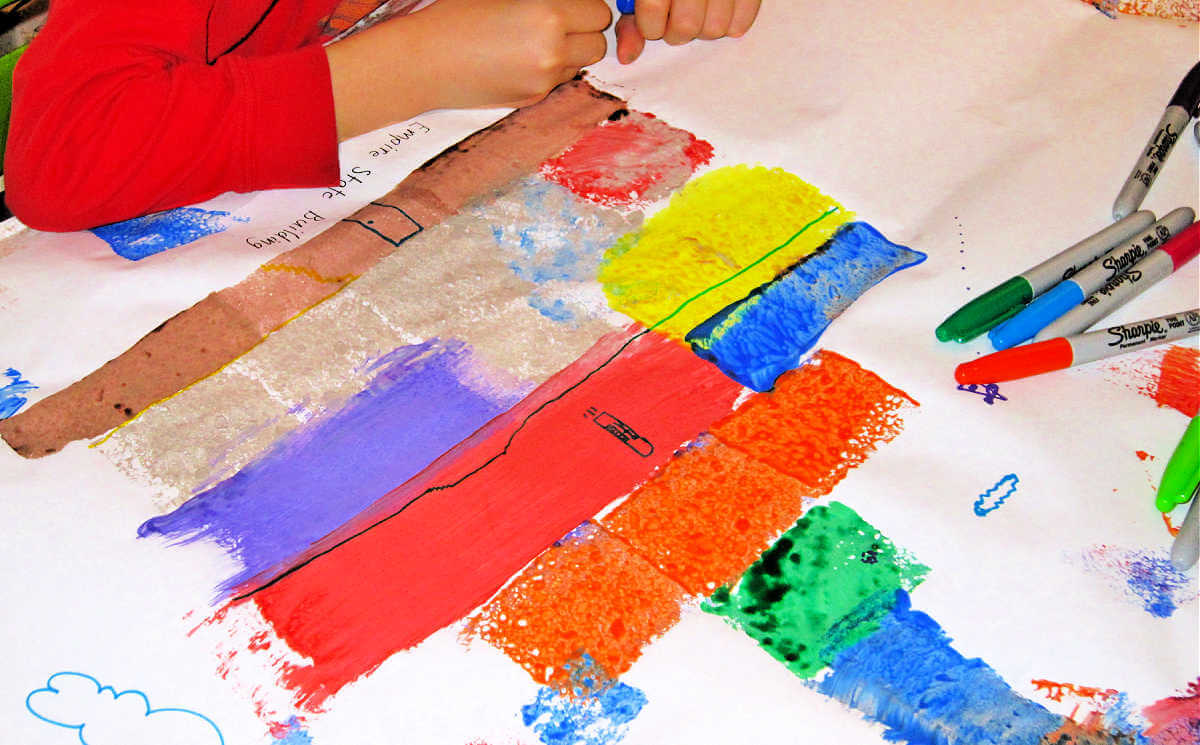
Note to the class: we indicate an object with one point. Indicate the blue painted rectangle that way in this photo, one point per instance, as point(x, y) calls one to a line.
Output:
point(757, 339)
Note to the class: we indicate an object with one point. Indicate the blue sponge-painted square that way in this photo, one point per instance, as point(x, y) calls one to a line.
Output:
point(145, 236)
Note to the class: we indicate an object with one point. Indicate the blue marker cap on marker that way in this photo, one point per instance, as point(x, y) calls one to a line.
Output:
point(626, 6)
point(1037, 315)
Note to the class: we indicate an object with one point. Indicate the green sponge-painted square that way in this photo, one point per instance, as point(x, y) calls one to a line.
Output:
point(823, 586)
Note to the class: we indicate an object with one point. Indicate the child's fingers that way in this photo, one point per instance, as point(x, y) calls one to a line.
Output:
point(585, 15)
point(744, 13)
point(652, 18)
point(685, 21)
point(629, 40)
point(717, 19)
point(585, 49)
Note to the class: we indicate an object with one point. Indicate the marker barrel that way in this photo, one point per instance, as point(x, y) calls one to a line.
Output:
point(1071, 292)
point(1186, 547)
point(1108, 298)
point(1126, 337)
point(1155, 267)
point(1006, 299)
point(1064, 266)
point(1098, 273)
point(1172, 124)
point(1056, 354)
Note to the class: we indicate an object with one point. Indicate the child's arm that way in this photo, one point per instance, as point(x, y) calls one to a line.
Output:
point(121, 109)
point(681, 21)
point(118, 112)
point(463, 54)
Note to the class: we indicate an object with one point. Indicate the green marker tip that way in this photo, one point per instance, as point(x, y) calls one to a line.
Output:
point(1182, 473)
point(989, 309)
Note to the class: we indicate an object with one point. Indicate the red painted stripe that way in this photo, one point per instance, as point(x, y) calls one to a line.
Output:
point(449, 550)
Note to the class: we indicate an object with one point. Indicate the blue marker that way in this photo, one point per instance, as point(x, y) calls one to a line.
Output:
point(626, 6)
point(1071, 292)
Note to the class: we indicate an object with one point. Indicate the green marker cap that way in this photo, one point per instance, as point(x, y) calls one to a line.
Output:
point(989, 309)
point(1182, 475)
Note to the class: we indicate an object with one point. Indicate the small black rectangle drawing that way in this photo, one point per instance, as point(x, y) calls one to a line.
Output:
point(386, 226)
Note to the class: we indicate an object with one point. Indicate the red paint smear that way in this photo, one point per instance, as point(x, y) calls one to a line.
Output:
point(590, 594)
point(1165, 714)
point(820, 421)
point(444, 554)
point(1179, 380)
point(708, 516)
point(1143, 455)
point(636, 159)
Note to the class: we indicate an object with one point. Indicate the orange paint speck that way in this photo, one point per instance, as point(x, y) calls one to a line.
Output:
point(1054, 691)
point(1143, 455)
point(1174, 531)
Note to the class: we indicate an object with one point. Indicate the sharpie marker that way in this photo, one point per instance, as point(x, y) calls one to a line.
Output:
point(1183, 106)
point(1186, 548)
point(1071, 292)
point(1182, 474)
point(1007, 299)
point(1156, 266)
point(1063, 352)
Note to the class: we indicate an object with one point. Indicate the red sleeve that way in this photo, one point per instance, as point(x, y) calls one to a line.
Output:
point(117, 113)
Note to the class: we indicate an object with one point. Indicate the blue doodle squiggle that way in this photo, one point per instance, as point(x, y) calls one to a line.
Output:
point(982, 507)
point(102, 689)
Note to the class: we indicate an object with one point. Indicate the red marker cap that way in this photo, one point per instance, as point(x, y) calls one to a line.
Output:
point(1017, 362)
point(1184, 246)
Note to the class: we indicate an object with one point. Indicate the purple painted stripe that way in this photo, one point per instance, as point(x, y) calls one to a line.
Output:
point(321, 475)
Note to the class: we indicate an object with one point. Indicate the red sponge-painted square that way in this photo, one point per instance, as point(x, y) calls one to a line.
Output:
point(821, 420)
point(635, 159)
point(708, 516)
point(590, 595)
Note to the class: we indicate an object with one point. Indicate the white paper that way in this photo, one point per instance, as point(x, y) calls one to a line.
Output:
point(988, 136)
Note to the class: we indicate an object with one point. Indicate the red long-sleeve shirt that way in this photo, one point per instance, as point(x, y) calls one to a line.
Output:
point(124, 107)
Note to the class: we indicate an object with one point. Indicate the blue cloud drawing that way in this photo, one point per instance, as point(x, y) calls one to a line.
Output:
point(102, 716)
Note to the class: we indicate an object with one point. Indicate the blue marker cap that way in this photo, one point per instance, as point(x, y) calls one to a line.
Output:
point(1037, 315)
point(626, 6)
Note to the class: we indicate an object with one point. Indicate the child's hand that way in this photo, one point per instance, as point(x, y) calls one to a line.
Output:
point(463, 54)
point(501, 52)
point(681, 21)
